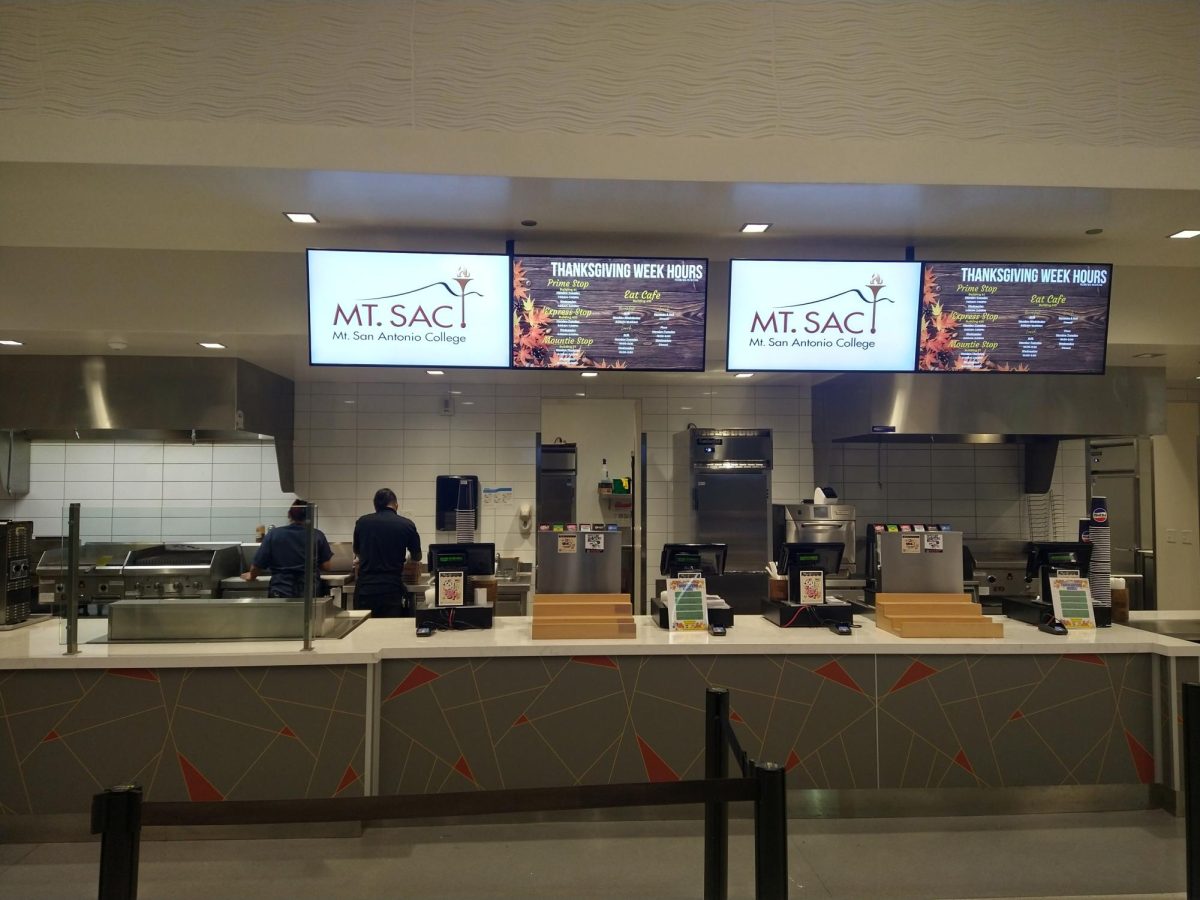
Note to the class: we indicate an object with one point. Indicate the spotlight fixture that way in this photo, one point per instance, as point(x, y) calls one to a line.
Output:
point(302, 218)
point(753, 228)
point(434, 372)
point(211, 345)
point(589, 374)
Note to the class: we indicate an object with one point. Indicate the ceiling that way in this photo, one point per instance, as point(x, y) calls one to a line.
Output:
point(240, 209)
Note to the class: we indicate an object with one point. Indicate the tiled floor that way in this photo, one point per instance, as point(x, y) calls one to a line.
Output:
point(1127, 855)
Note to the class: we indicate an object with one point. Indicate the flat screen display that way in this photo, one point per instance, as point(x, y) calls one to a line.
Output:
point(433, 310)
point(810, 316)
point(572, 312)
point(1050, 318)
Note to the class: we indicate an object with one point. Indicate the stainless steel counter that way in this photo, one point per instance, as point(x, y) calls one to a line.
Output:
point(229, 619)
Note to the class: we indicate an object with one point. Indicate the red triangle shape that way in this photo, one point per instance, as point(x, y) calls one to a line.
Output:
point(602, 661)
point(348, 778)
point(734, 717)
point(463, 768)
point(792, 761)
point(834, 672)
point(199, 788)
point(1017, 714)
point(287, 732)
point(418, 676)
point(51, 735)
point(1143, 759)
point(914, 673)
point(1091, 658)
point(139, 674)
point(656, 767)
point(522, 719)
point(961, 759)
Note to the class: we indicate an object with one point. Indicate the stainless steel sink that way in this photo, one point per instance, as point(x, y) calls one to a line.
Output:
point(241, 619)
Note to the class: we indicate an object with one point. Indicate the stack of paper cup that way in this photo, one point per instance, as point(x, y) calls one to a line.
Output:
point(1100, 570)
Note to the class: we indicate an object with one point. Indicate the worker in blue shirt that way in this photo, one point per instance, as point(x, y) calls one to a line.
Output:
point(282, 553)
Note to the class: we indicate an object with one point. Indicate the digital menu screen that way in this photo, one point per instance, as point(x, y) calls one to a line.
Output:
point(820, 316)
point(572, 312)
point(436, 310)
point(1050, 318)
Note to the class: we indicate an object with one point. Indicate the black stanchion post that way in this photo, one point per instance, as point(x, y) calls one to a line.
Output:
point(716, 813)
point(117, 817)
point(1191, 784)
point(770, 833)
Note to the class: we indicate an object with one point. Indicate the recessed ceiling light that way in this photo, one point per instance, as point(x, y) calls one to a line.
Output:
point(211, 345)
point(752, 228)
point(529, 223)
point(685, 408)
point(351, 402)
point(468, 403)
point(117, 344)
point(12, 343)
point(1186, 233)
point(302, 218)
point(589, 374)
point(456, 393)
point(744, 375)
point(580, 393)
point(434, 372)
point(1148, 355)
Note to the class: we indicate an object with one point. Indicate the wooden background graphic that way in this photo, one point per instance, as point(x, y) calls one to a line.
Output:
point(682, 301)
point(1089, 306)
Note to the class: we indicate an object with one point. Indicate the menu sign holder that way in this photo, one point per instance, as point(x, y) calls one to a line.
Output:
point(686, 606)
point(1071, 596)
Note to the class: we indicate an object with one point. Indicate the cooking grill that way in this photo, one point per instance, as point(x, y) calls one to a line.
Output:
point(180, 570)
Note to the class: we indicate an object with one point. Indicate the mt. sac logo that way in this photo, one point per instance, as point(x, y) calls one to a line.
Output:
point(367, 312)
point(780, 321)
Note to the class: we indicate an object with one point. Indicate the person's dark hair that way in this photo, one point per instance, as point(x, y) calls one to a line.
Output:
point(298, 511)
point(384, 497)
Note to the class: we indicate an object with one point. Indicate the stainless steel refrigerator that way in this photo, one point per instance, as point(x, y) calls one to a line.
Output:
point(730, 474)
point(556, 484)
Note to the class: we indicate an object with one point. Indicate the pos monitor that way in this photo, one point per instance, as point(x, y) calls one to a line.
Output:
point(825, 558)
point(470, 559)
point(707, 559)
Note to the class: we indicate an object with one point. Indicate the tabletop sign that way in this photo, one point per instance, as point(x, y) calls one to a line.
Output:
point(1072, 599)
point(685, 604)
point(823, 316)
point(572, 312)
point(1048, 318)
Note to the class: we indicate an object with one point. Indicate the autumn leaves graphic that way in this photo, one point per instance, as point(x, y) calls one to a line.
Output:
point(532, 326)
point(939, 336)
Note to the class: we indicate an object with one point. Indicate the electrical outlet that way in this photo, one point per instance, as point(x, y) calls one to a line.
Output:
point(1186, 535)
point(1172, 536)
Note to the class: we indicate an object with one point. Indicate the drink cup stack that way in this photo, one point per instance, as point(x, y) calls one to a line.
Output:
point(1100, 571)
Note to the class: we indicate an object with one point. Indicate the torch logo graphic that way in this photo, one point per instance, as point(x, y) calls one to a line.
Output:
point(462, 278)
point(875, 285)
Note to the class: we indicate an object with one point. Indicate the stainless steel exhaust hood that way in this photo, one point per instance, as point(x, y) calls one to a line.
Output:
point(138, 398)
point(1036, 410)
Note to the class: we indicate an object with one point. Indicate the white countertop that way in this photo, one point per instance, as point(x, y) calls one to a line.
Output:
point(42, 646)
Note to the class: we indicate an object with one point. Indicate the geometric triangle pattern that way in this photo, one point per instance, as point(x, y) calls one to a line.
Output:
point(183, 734)
point(860, 721)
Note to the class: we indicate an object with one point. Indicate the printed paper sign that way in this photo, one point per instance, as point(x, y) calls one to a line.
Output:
point(450, 588)
point(793, 315)
point(934, 542)
point(593, 542)
point(1072, 599)
point(812, 587)
point(568, 543)
point(910, 545)
point(685, 603)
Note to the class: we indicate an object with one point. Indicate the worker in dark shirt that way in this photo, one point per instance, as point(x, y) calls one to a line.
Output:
point(282, 553)
point(381, 541)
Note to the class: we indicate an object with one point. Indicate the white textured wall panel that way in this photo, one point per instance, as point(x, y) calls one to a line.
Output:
point(1099, 72)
